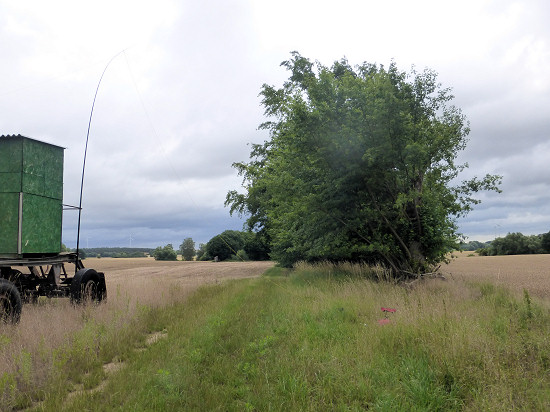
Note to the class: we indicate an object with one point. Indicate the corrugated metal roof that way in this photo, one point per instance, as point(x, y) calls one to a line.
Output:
point(19, 136)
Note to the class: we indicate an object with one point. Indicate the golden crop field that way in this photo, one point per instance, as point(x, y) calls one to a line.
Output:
point(150, 282)
point(530, 272)
point(122, 272)
point(519, 272)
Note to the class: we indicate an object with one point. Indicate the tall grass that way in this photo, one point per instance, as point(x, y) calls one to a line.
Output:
point(311, 340)
point(341, 270)
point(57, 346)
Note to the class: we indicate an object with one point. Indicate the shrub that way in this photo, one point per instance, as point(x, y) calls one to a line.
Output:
point(242, 255)
point(225, 244)
point(165, 253)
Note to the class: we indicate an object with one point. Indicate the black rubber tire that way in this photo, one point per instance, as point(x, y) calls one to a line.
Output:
point(10, 302)
point(86, 287)
point(16, 278)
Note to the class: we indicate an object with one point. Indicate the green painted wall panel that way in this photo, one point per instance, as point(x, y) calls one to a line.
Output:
point(42, 169)
point(10, 182)
point(36, 169)
point(9, 226)
point(53, 173)
point(33, 184)
point(11, 155)
point(41, 224)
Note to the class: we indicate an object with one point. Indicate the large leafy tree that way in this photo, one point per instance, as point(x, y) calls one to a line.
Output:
point(187, 249)
point(545, 242)
point(360, 166)
point(225, 244)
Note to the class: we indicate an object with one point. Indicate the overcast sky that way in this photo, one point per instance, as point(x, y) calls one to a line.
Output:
point(181, 103)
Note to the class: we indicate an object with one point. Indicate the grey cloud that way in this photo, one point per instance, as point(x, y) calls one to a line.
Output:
point(180, 105)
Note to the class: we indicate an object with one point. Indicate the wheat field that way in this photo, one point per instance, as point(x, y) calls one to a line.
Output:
point(519, 272)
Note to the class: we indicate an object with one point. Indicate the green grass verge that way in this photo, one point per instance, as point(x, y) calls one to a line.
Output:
point(311, 341)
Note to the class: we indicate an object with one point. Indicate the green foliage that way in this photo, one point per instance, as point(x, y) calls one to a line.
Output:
point(516, 244)
point(483, 251)
point(118, 252)
point(127, 254)
point(511, 244)
point(545, 242)
point(228, 244)
point(359, 167)
point(242, 256)
point(474, 245)
point(225, 244)
point(201, 252)
point(256, 246)
point(187, 249)
point(165, 253)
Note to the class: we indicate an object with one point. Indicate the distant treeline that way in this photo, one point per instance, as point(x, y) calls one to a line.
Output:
point(511, 244)
point(117, 252)
point(231, 245)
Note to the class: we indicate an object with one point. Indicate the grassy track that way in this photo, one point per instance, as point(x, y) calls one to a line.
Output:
point(311, 341)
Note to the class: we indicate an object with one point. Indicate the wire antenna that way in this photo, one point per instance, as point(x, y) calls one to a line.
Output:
point(85, 153)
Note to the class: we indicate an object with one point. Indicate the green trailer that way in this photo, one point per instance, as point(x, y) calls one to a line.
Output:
point(31, 215)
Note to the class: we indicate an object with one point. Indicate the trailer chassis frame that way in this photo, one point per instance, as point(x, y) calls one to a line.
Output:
point(47, 276)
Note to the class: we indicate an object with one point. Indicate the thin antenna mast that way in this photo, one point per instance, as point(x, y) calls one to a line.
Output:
point(84, 162)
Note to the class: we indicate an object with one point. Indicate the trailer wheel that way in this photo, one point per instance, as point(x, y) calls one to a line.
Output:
point(86, 286)
point(10, 302)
